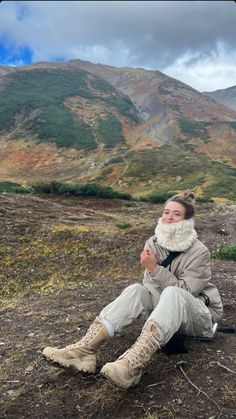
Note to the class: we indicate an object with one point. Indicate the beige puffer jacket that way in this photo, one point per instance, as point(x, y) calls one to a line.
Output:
point(190, 270)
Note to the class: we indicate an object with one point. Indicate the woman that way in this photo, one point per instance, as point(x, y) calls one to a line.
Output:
point(176, 295)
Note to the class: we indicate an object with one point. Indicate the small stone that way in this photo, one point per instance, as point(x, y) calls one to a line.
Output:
point(29, 368)
point(10, 392)
point(31, 335)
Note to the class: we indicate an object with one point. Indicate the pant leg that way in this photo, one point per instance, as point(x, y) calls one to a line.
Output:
point(179, 310)
point(133, 302)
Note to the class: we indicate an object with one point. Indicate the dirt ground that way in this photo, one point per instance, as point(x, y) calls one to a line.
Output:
point(62, 260)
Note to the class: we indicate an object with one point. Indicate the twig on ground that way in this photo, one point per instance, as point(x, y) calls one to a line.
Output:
point(218, 417)
point(223, 366)
point(199, 390)
point(155, 384)
point(7, 381)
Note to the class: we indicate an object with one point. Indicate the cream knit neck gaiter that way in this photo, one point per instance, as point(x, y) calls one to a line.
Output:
point(176, 237)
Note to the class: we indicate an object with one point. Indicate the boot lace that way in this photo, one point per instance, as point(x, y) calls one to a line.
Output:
point(146, 344)
point(89, 336)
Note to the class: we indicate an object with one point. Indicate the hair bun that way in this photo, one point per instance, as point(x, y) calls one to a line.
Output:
point(189, 195)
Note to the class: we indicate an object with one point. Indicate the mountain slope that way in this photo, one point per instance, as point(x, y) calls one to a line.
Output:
point(152, 91)
point(68, 107)
point(225, 96)
point(133, 129)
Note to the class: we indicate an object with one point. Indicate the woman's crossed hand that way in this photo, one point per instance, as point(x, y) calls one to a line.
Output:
point(148, 260)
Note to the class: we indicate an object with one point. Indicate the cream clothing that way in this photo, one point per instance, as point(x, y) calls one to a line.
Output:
point(173, 296)
point(177, 310)
point(190, 271)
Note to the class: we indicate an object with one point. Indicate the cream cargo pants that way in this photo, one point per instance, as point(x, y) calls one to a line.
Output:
point(176, 310)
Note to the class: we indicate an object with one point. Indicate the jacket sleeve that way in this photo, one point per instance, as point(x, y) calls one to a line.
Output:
point(194, 276)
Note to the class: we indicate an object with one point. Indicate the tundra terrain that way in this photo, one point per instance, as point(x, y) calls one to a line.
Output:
point(62, 261)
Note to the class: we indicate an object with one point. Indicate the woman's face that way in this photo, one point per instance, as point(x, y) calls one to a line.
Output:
point(173, 213)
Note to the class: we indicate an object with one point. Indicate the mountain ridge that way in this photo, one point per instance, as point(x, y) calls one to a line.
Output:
point(156, 121)
point(225, 96)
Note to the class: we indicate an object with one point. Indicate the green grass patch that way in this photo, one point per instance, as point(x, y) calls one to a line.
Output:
point(88, 189)
point(200, 128)
point(102, 85)
point(56, 123)
point(12, 187)
point(194, 128)
point(224, 181)
point(125, 106)
point(123, 226)
point(35, 101)
point(204, 199)
point(110, 131)
point(164, 165)
point(158, 197)
point(166, 162)
point(225, 253)
point(232, 124)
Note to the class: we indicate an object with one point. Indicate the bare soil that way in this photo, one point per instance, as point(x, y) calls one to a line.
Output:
point(62, 261)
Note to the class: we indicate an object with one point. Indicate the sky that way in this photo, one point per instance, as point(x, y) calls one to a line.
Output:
point(192, 41)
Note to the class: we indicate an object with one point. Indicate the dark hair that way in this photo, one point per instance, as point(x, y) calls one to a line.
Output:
point(187, 199)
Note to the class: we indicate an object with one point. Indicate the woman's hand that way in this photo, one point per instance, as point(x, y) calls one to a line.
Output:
point(148, 260)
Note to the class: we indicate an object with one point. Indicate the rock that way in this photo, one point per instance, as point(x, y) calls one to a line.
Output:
point(29, 369)
point(10, 392)
point(179, 401)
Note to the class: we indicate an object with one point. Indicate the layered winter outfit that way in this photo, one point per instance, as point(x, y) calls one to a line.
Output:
point(177, 297)
point(186, 281)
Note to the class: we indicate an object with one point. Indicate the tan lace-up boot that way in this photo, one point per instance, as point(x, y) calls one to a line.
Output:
point(127, 370)
point(80, 356)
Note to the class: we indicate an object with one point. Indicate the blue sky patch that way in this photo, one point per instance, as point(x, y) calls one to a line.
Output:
point(14, 56)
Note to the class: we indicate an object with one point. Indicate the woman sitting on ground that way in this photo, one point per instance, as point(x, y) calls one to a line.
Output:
point(175, 296)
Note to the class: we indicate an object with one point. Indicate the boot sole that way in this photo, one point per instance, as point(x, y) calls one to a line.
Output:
point(69, 366)
point(116, 381)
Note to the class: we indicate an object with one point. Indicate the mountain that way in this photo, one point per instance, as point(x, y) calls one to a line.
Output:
point(133, 129)
point(225, 96)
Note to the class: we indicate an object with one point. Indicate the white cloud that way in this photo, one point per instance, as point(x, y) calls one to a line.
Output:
point(191, 41)
point(205, 73)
